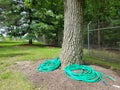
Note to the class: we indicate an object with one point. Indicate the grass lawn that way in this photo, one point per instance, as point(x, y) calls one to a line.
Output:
point(107, 63)
point(10, 52)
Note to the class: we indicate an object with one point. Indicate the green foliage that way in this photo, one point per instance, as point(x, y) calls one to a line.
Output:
point(41, 18)
point(47, 19)
point(44, 18)
point(5, 4)
point(103, 10)
point(102, 13)
point(28, 3)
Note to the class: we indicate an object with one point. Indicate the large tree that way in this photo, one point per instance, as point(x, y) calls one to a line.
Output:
point(47, 20)
point(72, 47)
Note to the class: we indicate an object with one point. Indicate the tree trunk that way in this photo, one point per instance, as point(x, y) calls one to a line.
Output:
point(29, 23)
point(56, 38)
point(72, 47)
point(30, 41)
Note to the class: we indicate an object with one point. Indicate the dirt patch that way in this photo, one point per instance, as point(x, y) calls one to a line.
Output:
point(56, 80)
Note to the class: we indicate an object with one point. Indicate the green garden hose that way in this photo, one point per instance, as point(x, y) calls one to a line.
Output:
point(86, 73)
point(49, 65)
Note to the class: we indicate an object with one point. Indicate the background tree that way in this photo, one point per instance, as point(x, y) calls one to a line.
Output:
point(13, 18)
point(34, 20)
point(46, 19)
point(102, 14)
point(49, 20)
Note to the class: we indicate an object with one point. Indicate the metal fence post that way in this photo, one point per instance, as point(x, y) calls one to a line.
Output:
point(88, 35)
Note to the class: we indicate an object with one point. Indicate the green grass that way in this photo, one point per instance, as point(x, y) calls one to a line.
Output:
point(103, 58)
point(112, 56)
point(11, 80)
point(10, 52)
point(101, 62)
point(11, 43)
point(17, 51)
point(4, 64)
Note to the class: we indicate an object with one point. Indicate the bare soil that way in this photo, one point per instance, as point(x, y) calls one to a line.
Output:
point(56, 80)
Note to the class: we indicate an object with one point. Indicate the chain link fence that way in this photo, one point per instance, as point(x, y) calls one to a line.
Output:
point(103, 41)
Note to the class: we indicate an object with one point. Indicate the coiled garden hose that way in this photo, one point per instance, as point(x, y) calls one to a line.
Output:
point(86, 73)
point(49, 65)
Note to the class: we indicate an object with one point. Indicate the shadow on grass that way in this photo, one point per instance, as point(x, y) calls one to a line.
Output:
point(13, 54)
point(38, 45)
point(35, 44)
point(9, 42)
point(19, 44)
point(32, 45)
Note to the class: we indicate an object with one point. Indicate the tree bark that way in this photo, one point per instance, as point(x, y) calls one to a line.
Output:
point(30, 41)
point(29, 23)
point(72, 47)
